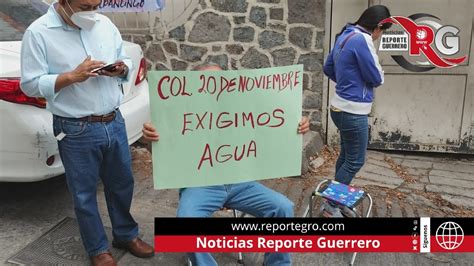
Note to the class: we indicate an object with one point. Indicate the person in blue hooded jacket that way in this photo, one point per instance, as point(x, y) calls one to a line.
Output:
point(354, 66)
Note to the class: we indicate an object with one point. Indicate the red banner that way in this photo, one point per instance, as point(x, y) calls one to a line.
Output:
point(287, 243)
point(453, 243)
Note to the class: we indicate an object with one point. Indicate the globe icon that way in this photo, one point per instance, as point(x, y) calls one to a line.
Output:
point(449, 235)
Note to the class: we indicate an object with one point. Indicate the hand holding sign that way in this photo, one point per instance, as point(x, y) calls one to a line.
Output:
point(303, 126)
point(150, 133)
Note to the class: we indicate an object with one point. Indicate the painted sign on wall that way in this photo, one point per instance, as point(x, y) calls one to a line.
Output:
point(131, 5)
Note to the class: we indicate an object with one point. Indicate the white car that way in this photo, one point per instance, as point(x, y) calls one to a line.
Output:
point(28, 149)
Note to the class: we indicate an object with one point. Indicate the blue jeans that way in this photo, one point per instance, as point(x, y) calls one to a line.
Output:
point(354, 131)
point(249, 197)
point(93, 150)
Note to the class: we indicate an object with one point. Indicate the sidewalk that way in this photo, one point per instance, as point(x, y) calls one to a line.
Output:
point(401, 185)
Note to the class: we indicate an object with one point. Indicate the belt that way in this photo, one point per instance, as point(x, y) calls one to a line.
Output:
point(334, 109)
point(99, 118)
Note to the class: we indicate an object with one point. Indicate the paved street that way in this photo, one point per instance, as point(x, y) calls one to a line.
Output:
point(401, 185)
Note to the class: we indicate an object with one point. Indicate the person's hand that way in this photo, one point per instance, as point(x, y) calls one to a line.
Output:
point(303, 126)
point(118, 70)
point(84, 70)
point(150, 133)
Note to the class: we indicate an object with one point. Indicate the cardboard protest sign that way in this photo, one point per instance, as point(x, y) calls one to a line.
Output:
point(223, 127)
point(131, 5)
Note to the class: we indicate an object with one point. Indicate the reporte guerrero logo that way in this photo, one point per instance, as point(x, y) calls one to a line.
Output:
point(428, 37)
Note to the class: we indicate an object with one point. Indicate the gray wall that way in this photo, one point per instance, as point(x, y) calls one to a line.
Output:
point(239, 34)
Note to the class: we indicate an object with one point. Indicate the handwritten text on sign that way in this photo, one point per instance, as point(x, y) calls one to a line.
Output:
point(220, 127)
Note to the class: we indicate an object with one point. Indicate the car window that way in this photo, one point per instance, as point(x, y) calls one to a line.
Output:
point(17, 15)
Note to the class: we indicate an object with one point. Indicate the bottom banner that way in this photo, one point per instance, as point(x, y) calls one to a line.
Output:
point(415, 235)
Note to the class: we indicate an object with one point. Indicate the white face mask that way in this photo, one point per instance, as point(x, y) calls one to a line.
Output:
point(83, 19)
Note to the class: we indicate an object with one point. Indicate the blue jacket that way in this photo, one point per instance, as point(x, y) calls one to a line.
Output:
point(354, 66)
